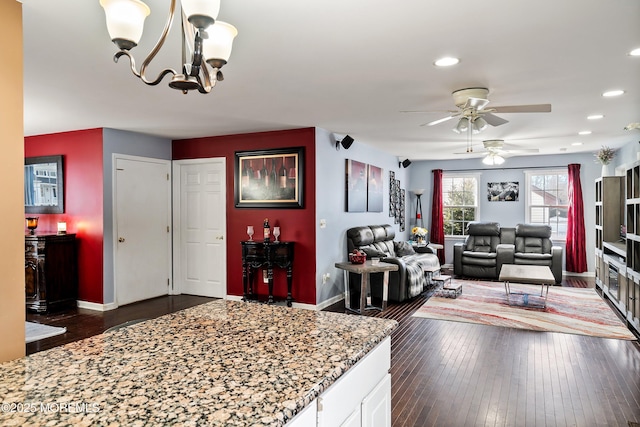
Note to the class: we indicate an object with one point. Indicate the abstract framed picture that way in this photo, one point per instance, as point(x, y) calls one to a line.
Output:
point(269, 178)
point(374, 189)
point(503, 191)
point(356, 191)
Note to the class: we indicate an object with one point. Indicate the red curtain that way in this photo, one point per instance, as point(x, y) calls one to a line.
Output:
point(437, 223)
point(575, 252)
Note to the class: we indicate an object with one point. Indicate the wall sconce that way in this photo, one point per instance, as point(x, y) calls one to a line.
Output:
point(346, 142)
point(32, 224)
point(62, 227)
point(405, 163)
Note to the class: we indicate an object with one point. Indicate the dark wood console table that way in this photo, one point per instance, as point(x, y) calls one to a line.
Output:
point(266, 255)
point(51, 271)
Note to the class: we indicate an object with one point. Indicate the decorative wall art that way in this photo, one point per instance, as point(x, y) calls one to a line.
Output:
point(374, 189)
point(356, 191)
point(269, 178)
point(392, 194)
point(402, 209)
point(503, 191)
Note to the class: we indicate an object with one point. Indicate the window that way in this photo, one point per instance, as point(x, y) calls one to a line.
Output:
point(460, 203)
point(548, 200)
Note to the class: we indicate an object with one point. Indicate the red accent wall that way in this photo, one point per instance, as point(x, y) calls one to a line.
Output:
point(296, 225)
point(83, 198)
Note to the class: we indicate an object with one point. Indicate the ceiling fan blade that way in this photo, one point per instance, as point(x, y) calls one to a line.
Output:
point(428, 111)
point(521, 150)
point(435, 122)
point(476, 103)
point(494, 120)
point(534, 108)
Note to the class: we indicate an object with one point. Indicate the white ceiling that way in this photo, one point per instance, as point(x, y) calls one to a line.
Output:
point(350, 67)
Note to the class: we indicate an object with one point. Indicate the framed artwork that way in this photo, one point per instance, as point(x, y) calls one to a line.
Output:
point(402, 209)
point(269, 178)
point(356, 191)
point(374, 189)
point(503, 191)
point(392, 194)
point(396, 189)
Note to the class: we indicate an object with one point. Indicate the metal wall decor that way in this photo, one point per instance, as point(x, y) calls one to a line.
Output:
point(392, 194)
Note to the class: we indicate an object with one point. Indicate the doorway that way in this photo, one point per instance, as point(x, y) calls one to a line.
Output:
point(200, 226)
point(142, 207)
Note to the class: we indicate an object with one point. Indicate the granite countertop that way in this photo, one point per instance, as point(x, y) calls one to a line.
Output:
point(221, 363)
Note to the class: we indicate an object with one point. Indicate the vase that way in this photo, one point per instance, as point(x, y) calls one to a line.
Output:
point(606, 170)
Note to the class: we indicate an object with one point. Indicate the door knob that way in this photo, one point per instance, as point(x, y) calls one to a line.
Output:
point(220, 238)
point(121, 239)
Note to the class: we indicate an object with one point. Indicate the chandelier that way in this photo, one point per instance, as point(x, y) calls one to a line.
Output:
point(206, 42)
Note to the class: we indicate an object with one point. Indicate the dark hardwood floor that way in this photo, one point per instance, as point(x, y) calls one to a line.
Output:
point(458, 374)
point(83, 323)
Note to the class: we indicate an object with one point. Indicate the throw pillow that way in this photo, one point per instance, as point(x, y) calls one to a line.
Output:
point(373, 252)
point(403, 248)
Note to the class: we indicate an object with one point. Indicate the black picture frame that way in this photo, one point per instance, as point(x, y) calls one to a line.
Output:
point(44, 192)
point(508, 191)
point(259, 183)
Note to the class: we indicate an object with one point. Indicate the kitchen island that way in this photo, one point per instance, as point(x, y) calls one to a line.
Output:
point(221, 363)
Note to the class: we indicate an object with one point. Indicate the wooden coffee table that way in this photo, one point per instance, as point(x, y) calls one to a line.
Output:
point(527, 275)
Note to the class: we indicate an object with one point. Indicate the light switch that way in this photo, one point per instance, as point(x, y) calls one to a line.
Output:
point(323, 223)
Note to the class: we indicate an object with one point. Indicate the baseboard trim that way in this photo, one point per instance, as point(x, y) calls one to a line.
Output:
point(326, 303)
point(585, 274)
point(97, 306)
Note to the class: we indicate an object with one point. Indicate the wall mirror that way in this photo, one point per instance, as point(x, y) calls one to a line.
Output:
point(43, 185)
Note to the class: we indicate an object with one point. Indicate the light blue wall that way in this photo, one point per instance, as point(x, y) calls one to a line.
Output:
point(510, 213)
point(133, 144)
point(331, 244)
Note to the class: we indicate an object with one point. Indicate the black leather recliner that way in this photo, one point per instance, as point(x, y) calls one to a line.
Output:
point(485, 249)
point(533, 246)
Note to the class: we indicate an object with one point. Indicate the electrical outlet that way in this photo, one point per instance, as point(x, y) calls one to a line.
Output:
point(323, 223)
point(325, 278)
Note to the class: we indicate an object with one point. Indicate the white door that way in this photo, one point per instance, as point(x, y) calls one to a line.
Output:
point(200, 252)
point(142, 197)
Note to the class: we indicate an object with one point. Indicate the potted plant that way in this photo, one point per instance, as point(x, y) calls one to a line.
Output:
point(604, 156)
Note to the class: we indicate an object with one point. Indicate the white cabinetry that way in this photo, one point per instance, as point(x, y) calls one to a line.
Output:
point(361, 397)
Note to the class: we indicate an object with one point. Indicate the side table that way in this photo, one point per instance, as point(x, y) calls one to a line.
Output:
point(365, 289)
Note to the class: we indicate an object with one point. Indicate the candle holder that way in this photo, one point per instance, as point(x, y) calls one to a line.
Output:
point(32, 224)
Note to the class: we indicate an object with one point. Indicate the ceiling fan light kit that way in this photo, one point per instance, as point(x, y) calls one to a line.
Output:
point(493, 159)
point(206, 42)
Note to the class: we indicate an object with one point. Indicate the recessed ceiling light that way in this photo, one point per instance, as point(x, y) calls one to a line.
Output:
point(447, 61)
point(635, 52)
point(584, 132)
point(576, 143)
point(611, 93)
point(595, 117)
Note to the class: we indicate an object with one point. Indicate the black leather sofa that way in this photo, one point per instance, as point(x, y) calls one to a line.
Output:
point(378, 241)
point(488, 246)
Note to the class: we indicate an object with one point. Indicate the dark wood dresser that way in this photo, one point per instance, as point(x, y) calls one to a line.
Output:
point(51, 271)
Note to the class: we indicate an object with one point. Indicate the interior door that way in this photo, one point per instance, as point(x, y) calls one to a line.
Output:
point(200, 228)
point(142, 196)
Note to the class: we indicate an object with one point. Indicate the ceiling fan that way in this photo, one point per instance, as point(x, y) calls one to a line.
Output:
point(498, 146)
point(471, 103)
point(495, 150)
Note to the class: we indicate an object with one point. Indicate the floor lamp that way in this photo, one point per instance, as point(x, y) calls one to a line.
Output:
point(418, 194)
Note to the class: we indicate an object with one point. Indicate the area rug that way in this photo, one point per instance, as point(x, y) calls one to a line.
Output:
point(38, 331)
point(569, 310)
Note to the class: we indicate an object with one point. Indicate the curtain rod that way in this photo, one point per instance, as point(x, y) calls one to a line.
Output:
point(502, 169)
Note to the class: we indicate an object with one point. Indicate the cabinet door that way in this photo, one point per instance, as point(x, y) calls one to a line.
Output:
point(354, 420)
point(376, 407)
